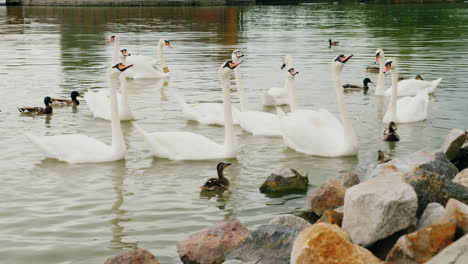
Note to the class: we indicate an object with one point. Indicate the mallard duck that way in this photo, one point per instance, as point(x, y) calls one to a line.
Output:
point(217, 184)
point(418, 77)
point(333, 43)
point(390, 134)
point(67, 102)
point(36, 110)
point(354, 87)
point(381, 157)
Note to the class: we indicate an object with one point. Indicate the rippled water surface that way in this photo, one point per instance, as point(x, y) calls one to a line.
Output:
point(54, 212)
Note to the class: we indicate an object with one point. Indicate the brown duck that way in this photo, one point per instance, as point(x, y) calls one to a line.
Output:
point(333, 43)
point(35, 110)
point(354, 87)
point(381, 158)
point(68, 102)
point(217, 184)
point(390, 133)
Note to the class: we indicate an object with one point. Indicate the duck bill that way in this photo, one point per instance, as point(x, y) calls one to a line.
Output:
point(227, 165)
point(345, 58)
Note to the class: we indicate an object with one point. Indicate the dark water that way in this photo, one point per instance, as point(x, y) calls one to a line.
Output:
point(53, 212)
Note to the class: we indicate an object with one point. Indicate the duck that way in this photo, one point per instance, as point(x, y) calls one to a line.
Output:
point(407, 109)
point(381, 157)
point(67, 102)
point(318, 132)
point(354, 87)
point(213, 113)
point(217, 184)
point(279, 96)
point(418, 77)
point(192, 146)
point(77, 148)
point(333, 43)
point(36, 110)
point(390, 134)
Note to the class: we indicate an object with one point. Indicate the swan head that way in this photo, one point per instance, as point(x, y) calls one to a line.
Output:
point(366, 81)
point(226, 69)
point(125, 52)
point(48, 100)
point(74, 94)
point(236, 55)
point(390, 65)
point(164, 42)
point(117, 69)
point(221, 166)
point(287, 60)
point(378, 54)
point(114, 38)
point(292, 72)
point(339, 61)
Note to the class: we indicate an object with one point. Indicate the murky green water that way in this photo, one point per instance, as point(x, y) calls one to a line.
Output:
point(53, 212)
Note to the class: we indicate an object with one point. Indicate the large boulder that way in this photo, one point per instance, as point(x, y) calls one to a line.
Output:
point(285, 181)
point(329, 195)
point(269, 244)
point(377, 208)
point(137, 256)
point(208, 246)
point(462, 178)
point(456, 253)
point(422, 245)
point(349, 179)
point(430, 174)
point(324, 243)
point(291, 221)
point(453, 142)
point(457, 213)
point(431, 214)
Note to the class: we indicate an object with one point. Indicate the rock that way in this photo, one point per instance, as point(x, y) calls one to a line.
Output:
point(285, 182)
point(453, 142)
point(349, 179)
point(456, 253)
point(307, 215)
point(291, 221)
point(233, 261)
point(457, 213)
point(377, 208)
point(462, 178)
point(329, 195)
point(461, 161)
point(326, 244)
point(137, 256)
point(430, 174)
point(209, 245)
point(431, 214)
point(331, 217)
point(269, 244)
point(422, 245)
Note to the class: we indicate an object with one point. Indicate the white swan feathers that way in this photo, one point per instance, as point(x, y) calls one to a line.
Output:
point(319, 132)
point(84, 149)
point(278, 96)
point(191, 146)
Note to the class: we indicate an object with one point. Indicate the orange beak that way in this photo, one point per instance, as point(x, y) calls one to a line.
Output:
point(168, 44)
point(377, 58)
point(388, 67)
point(346, 58)
point(123, 67)
point(233, 65)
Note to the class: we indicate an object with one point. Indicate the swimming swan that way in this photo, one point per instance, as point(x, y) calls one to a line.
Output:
point(380, 57)
point(191, 146)
point(411, 87)
point(84, 149)
point(407, 109)
point(279, 96)
point(319, 132)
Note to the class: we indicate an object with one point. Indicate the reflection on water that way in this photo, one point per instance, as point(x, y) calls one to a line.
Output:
point(56, 211)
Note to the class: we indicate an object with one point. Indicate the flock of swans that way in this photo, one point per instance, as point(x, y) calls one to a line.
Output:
point(312, 132)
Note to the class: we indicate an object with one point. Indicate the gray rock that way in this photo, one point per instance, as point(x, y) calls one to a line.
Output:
point(456, 253)
point(430, 174)
point(269, 244)
point(349, 179)
point(234, 261)
point(140, 256)
point(431, 214)
point(453, 142)
point(291, 221)
point(377, 208)
point(285, 181)
point(462, 178)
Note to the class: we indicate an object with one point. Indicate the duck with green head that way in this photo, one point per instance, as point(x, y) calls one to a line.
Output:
point(354, 87)
point(68, 102)
point(36, 110)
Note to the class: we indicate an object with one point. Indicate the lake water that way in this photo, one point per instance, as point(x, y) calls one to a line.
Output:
point(54, 212)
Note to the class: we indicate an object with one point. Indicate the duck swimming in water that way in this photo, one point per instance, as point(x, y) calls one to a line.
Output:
point(217, 184)
point(354, 87)
point(67, 102)
point(390, 134)
point(35, 110)
point(418, 77)
point(381, 157)
point(333, 43)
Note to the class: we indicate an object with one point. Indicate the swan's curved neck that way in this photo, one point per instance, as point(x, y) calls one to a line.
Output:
point(115, 55)
point(240, 88)
point(118, 144)
point(228, 127)
point(380, 89)
point(392, 107)
point(348, 128)
point(291, 86)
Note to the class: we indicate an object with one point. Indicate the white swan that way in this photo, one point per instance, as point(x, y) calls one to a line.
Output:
point(380, 57)
point(84, 149)
point(191, 146)
point(213, 113)
point(268, 124)
point(411, 87)
point(319, 132)
point(278, 96)
point(406, 109)
point(98, 102)
point(145, 67)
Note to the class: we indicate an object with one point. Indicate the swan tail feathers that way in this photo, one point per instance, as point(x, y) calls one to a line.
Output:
point(435, 83)
point(41, 146)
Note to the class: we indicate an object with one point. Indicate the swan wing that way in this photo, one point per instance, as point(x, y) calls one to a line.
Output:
point(412, 109)
point(206, 113)
point(99, 104)
point(74, 148)
point(259, 123)
point(411, 87)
